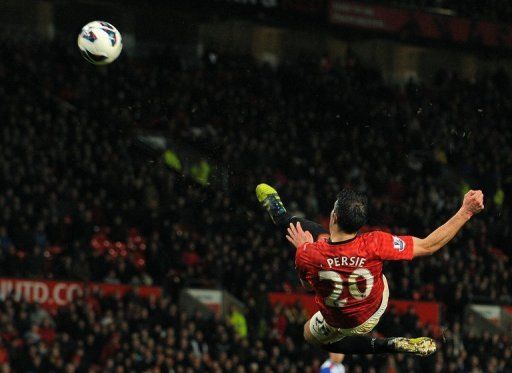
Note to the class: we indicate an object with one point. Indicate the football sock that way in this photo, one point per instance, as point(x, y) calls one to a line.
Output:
point(283, 220)
point(314, 228)
point(361, 344)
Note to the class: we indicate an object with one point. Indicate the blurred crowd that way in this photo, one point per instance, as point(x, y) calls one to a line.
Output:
point(133, 334)
point(79, 199)
point(72, 175)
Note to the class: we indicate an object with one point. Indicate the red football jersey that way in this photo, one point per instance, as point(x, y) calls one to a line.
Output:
point(347, 276)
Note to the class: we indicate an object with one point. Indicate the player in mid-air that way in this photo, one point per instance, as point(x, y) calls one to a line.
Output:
point(344, 268)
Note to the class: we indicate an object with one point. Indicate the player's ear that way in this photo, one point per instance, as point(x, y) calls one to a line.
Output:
point(334, 217)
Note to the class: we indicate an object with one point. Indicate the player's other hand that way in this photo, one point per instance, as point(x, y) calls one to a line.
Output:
point(297, 236)
point(473, 202)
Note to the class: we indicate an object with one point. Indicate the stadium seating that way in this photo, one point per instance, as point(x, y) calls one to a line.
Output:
point(135, 334)
point(79, 201)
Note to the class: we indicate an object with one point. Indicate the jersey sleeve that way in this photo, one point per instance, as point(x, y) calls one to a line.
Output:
point(390, 247)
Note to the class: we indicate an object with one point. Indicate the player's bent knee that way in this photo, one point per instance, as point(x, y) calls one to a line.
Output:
point(306, 331)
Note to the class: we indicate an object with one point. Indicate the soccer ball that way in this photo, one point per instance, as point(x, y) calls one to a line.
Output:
point(99, 42)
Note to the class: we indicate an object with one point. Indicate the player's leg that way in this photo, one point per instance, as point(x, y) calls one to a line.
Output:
point(362, 344)
point(270, 200)
point(318, 332)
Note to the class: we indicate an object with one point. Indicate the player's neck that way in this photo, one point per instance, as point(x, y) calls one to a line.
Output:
point(339, 236)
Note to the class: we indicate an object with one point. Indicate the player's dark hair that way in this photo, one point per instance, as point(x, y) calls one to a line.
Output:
point(351, 208)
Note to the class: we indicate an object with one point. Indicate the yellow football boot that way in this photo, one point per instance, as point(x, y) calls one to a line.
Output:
point(422, 346)
point(270, 200)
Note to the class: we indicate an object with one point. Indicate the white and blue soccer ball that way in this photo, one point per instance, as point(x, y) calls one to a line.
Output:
point(100, 43)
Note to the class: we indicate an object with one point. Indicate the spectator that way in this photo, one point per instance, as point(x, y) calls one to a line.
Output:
point(238, 322)
point(334, 364)
point(4, 357)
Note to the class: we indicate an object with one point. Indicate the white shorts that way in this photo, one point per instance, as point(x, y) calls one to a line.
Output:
point(325, 333)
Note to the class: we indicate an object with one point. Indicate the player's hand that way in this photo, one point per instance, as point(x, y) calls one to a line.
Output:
point(473, 202)
point(297, 236)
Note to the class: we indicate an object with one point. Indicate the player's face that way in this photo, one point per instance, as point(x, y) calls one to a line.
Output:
point(336, 358)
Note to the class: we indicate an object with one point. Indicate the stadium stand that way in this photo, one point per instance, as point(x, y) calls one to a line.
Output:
point(135, 334)
point(79, 201)
point(492, 10)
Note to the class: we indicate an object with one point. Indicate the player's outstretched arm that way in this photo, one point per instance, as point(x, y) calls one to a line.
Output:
point(472, 204)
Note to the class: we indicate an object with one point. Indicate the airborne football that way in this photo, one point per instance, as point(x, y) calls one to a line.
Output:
point(100, 43)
